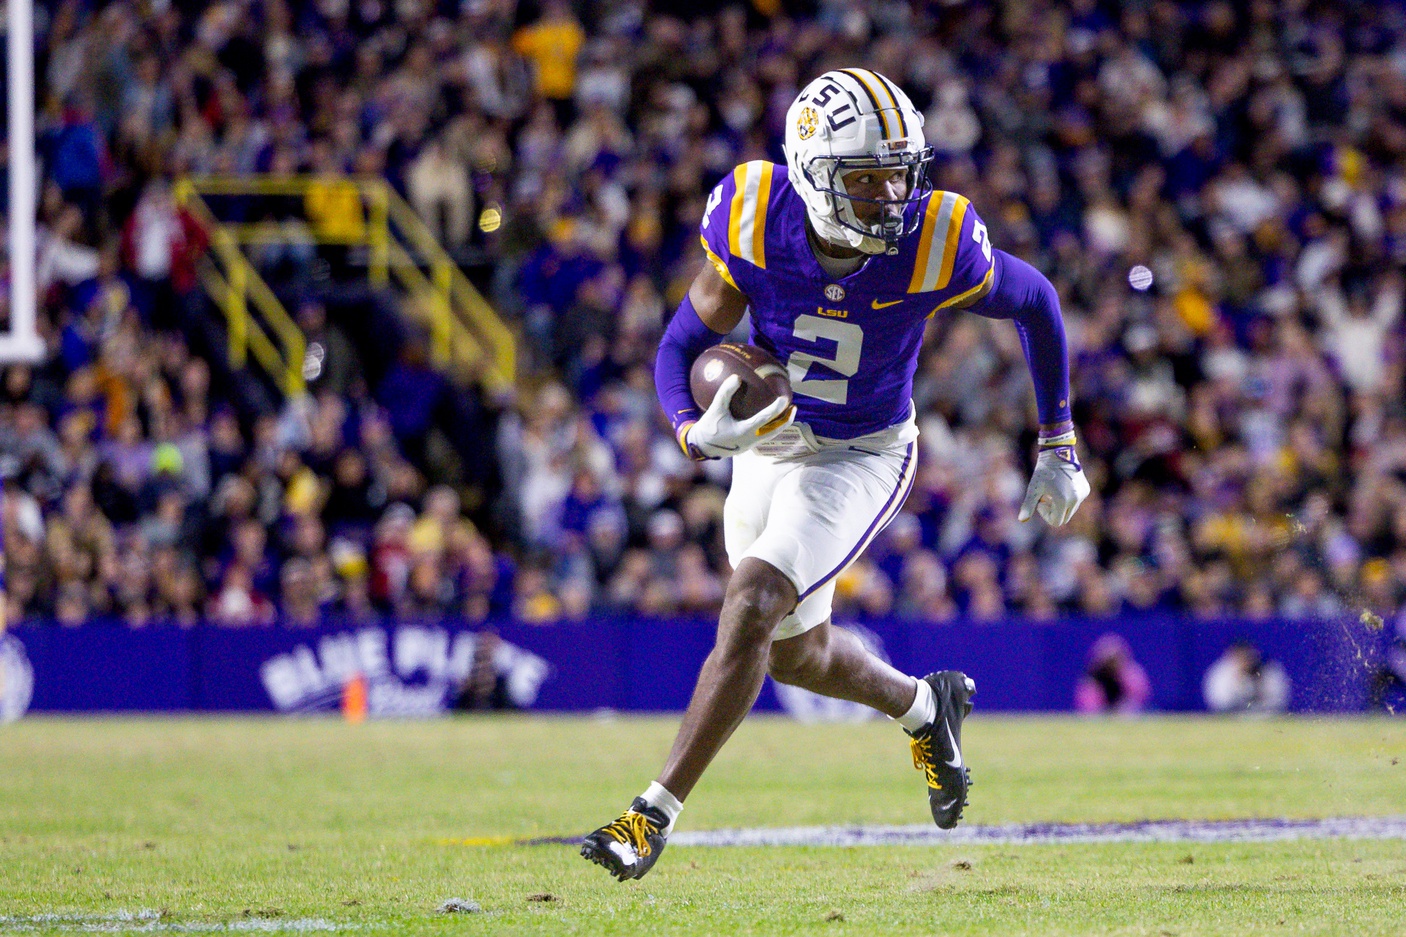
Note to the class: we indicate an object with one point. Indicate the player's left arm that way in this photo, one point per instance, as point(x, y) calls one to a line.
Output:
point(1022, 294)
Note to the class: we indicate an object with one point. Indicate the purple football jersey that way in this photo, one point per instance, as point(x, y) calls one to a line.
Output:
point(850, 344)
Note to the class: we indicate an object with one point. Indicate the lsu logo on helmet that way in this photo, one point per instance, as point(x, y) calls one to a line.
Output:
point(807, 123)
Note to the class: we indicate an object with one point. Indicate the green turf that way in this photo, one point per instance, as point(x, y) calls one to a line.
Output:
point(261, 821)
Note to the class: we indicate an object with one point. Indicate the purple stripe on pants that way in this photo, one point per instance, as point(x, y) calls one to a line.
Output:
point(874, 528)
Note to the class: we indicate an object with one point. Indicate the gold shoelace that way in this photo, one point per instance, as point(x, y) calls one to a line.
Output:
point(923, 760)
point(633, 830)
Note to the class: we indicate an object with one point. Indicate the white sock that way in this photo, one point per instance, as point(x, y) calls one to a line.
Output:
point(923, 710)
point(658, 797)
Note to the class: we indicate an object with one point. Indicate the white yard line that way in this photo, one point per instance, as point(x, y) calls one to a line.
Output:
point(145, 921)
point(1151, 831)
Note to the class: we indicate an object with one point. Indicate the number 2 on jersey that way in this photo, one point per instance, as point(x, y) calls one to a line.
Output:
point(715, 198)
point(849, 341)
point(980, 236)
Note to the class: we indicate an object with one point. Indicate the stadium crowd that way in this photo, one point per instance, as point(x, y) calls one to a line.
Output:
point(1242, 419)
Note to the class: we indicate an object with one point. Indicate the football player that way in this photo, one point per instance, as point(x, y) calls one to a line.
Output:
point(842, 256)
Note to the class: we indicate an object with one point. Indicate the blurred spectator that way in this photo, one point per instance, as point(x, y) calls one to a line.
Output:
point(486, 686)
point(1242, 681)
point(238, 604)
point(1113, 681)
point(298, 589)
point(863, 592)
point(439, 188)
point(332, 362)
point(534, 602)
point(552, 44)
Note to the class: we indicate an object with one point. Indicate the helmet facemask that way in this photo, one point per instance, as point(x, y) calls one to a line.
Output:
point(826, 175)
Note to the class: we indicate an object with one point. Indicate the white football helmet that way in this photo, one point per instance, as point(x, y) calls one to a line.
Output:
point(850, 119)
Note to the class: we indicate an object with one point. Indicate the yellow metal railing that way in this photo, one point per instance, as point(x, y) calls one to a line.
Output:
point(234, 284)
point(466, 336)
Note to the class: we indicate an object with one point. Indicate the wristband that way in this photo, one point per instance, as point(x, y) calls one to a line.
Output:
point(1060, 434)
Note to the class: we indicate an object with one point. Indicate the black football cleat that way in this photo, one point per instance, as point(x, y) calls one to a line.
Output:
point(937, 747)
point(630, 846)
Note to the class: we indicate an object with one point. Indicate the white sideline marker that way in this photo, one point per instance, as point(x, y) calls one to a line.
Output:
point(1271, 829)
point(146, 921)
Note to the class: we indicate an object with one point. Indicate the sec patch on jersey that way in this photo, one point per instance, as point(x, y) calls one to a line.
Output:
point(763, 378)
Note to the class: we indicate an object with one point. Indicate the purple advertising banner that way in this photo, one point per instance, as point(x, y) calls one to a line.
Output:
point(419, 668)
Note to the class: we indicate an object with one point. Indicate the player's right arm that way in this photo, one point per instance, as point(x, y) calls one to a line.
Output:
point(712, 308)
point(717, 302)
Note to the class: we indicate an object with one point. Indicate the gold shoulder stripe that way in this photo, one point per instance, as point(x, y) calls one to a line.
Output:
point(937, 244)
point(873, 99)
point(718, 264)
point(746, 228)
point(976, 292)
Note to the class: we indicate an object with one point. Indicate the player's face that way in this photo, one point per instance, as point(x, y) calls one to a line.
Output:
point(889, 184)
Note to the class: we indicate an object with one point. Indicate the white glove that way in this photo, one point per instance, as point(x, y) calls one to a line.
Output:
point(1057, 486)
point(718, 434)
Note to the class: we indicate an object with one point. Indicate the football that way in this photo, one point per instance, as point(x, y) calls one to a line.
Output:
point(763, 378)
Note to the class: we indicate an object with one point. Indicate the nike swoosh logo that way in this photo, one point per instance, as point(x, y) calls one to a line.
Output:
point(949, 805)
point(878, 305)
point(958, 762)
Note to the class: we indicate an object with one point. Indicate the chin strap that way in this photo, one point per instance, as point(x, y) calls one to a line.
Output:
point(869, 244)
point(841, 236)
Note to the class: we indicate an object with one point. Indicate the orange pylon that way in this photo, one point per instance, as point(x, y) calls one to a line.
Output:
point(354, 700)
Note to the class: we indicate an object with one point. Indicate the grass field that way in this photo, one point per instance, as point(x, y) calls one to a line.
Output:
point(272, 824)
